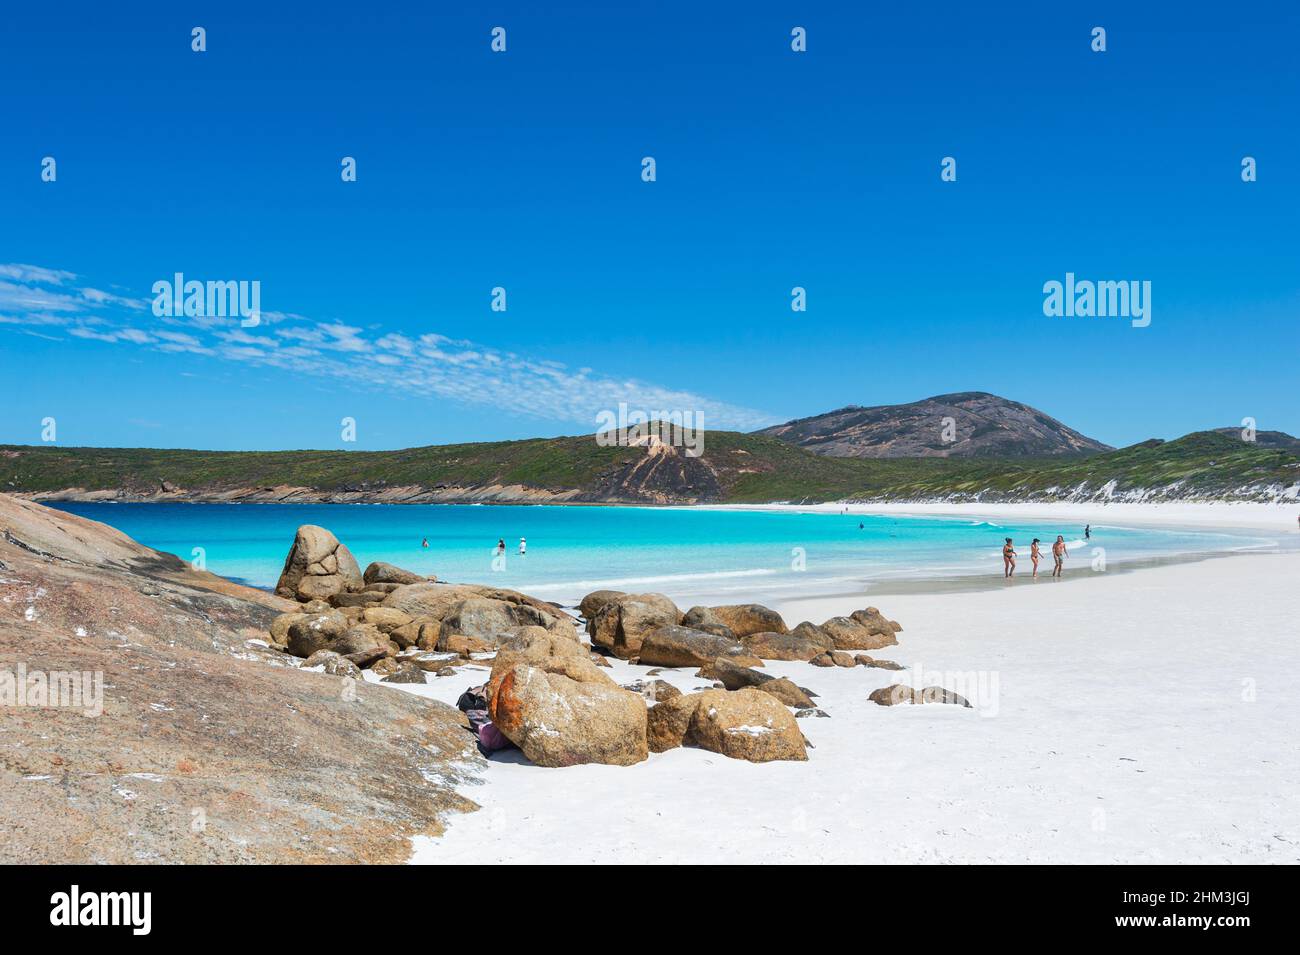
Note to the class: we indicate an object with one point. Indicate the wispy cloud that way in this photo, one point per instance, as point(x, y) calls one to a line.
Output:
point(431, 364)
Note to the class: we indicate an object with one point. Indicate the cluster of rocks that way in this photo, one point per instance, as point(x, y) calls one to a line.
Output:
point(548, 692)
point(391, 621)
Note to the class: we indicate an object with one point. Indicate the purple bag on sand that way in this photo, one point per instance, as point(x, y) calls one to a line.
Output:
point(492, 739)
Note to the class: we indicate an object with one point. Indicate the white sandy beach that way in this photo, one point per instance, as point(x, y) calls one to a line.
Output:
point(1281, 518)
point(1125, 718)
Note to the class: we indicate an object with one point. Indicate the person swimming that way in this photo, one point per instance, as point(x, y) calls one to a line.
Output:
point(1008, 559)
point(1034, 555)
point(1059, 553)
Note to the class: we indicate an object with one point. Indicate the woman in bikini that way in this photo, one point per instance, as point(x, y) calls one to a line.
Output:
point(1034, 555)
point(1008, 559)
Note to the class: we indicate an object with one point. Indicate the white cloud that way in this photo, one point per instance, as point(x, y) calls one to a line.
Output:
point(430, 365)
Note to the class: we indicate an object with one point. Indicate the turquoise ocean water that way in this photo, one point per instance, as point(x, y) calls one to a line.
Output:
point(685, 553)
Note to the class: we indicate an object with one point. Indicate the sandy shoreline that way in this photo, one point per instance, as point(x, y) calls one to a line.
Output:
point(1145, 717)
point(1278, 518)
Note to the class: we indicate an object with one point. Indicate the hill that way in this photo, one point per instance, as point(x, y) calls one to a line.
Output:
point(964, 425)
point(734, 468)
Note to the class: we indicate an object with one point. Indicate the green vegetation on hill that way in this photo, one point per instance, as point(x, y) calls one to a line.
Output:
point(748, 468)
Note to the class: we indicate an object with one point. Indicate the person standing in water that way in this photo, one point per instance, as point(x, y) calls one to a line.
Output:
point(523, 546)
point(501, 545)
point(1008, 559)
point(425, 543)
point(1034, 555)
point(1087, 532)
point(1059, 553)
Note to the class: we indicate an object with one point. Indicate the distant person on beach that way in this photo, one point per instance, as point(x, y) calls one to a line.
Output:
point(1087, 532)
point(523, 546)
point(1008, 559)
point(1034, 555)
point(1059, 553)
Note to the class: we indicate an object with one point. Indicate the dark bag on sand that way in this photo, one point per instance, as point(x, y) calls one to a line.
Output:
point(474, 698)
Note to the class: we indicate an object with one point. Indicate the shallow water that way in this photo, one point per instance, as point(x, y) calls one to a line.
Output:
point(685, 553)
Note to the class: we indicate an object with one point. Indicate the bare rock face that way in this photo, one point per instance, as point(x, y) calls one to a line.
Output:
point(623, 622)
point(902, 693)
point(197, 712)
point(744, 724)
point(318, 567)
point(673, 646)
point(380, 572)
point(741, 619)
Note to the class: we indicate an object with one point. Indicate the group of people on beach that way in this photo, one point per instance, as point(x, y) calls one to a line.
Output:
point(1059, 553)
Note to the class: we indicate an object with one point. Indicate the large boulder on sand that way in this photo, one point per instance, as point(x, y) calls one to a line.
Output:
point(898, 693)
point(317, 567)
point(436, 601)
point(548, 698)
point(623, 622)
point(312, 632)
point(674, 646)
point(740, 619)
point(380, 572)
point(864, 630)
point(496, 619)
point(559, 721)
point(595, 600)
point(803, 643)
point(736, 677)
point(744, 724)
point(545, 650)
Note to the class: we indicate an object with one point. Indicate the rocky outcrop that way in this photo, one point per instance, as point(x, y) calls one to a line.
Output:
point(623, 622)
point(863, 630)
point(548, 698)
point(901, 693)
point(591, 603)
point(198, 710)
point(803, 644)
point(380, 572)
point(318, 566)
point(744, 724)
point(739, 620)
point(674, 646)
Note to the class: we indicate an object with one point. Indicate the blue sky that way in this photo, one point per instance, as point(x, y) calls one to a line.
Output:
point(522, 170)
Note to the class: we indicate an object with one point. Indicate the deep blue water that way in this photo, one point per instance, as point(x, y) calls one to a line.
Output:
point(683, 552)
